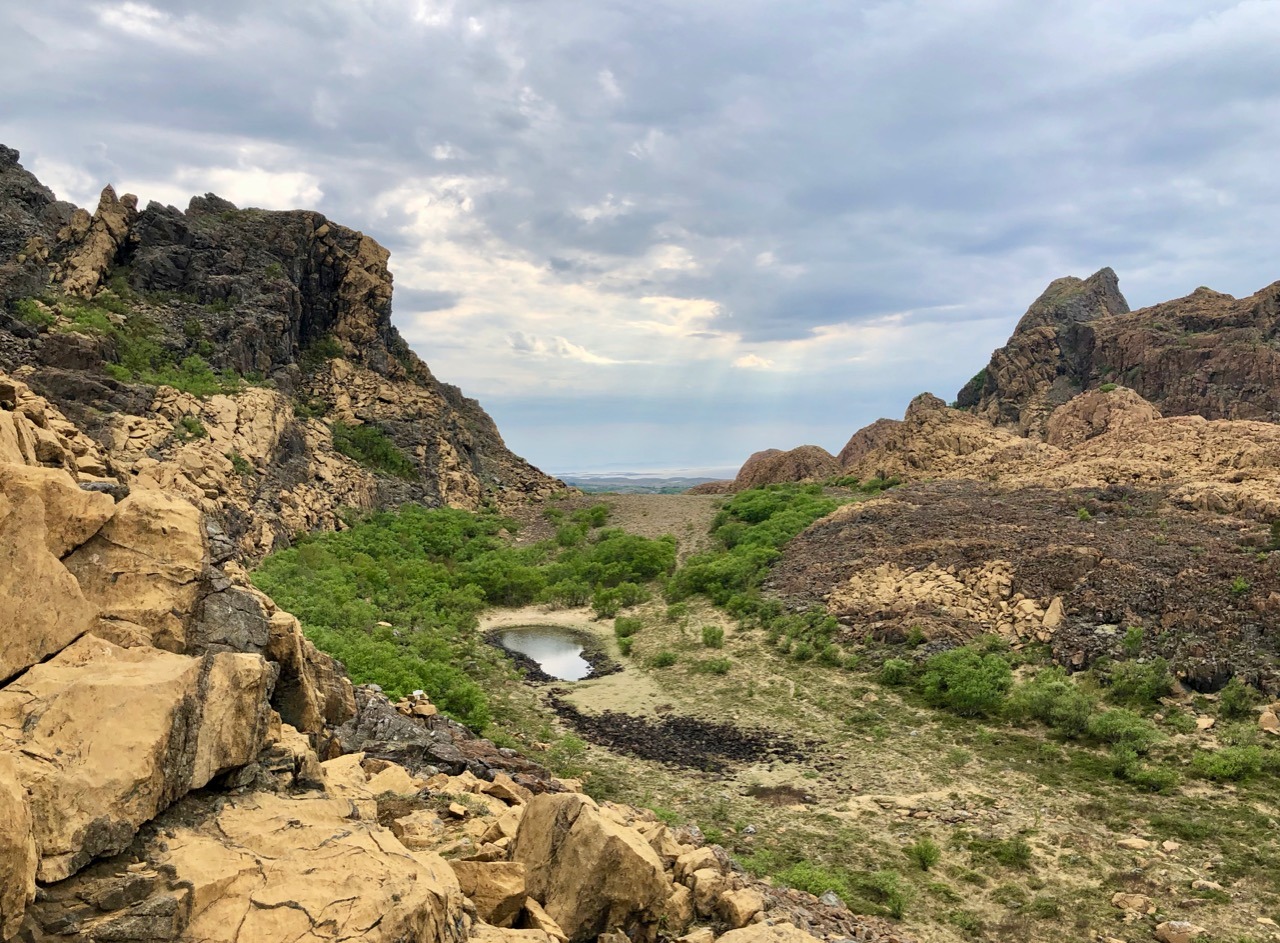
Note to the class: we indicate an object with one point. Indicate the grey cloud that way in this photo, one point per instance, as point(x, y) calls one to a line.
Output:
point(425, 299)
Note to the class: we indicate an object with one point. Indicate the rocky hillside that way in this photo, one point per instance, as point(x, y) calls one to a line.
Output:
point(177, 762)
point(242, 358)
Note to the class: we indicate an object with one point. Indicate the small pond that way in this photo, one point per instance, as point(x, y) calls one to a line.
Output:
point(558, 652)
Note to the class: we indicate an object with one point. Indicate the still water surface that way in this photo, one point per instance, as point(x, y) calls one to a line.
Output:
point(557, 652)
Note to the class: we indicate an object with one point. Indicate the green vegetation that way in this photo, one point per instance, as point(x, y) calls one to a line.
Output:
point(1108, 387)
point(924, 853)
point(188, 428)
point(240, 464)
point(321, 350)
point(967, 682)
point(31, 312)
point(895, 671)
point(712, 636)
point(427, 574)
point(369, 445)
point(663, 659)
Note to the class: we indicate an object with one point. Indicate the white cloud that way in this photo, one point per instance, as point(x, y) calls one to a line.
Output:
point(753, 362)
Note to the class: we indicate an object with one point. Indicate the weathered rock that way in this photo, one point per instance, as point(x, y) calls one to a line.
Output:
point(261, 867)
point(804, 463)
point(17, 850)
point(589, 873)
point(71, 514)
point(739, 907)
point(1179, 931)
point(144, 566)
point(534, 917)
point(497, 888)
point(1096, 412)
point(41, 607)
point(94, 780)
point(1136, 903)
point(765, 933)
point(420, 830)
point(87, 266)
point(709, 886)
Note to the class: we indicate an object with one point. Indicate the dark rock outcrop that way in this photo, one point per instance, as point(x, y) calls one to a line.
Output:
point(1207, 354)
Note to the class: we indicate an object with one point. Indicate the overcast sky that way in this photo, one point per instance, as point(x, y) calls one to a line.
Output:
point(666, 234)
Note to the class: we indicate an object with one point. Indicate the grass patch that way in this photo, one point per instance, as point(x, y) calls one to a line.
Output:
point(369, 445)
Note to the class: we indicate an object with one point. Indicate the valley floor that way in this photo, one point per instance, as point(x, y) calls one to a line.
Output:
point(1036, 839)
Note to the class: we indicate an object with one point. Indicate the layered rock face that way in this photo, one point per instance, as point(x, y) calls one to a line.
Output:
point(97, 310)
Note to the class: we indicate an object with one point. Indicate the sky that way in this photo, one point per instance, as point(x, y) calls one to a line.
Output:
point(663, 235)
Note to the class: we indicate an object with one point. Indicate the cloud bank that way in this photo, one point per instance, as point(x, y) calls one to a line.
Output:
point(672, 233)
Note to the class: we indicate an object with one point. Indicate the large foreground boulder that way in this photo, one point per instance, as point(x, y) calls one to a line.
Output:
point(257, 868)
point(143, 568)
point(103, 738)
point(41, 606)
point(591, 874)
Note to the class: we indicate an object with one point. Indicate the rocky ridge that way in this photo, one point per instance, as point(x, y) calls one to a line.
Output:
point(287, 313)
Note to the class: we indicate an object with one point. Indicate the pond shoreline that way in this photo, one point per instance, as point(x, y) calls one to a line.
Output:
point(594, 653)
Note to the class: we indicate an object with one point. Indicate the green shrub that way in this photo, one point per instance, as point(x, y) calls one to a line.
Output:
point(1139, 683)
point(369, 445)
point(966, 682)
point(625, 645)
point(677, 611)
point(895, 671)
point(32, 312)
point(1082, 514)
point(831, 656)
point(568, 593)
point(924, 853)
point(190, 427)
point(711, 666)
point(1107, 387)
point(1120, 726)
point(324, 348)
point(1229, 764)
point(663, 659)
point(240, 464)
point(1132, 644)
point(1053, 699)
point(712, 636)
point(1237, 700)
point(1239, 586)
point(627, 626)
point(594, 516)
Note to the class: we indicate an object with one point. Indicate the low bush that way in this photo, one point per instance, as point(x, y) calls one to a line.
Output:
point(966, 682)
point(1229, 764)
point(1237, 700)
point(663, 659)
point(626, 626)
point(712, 636)
point(1053, 699)
point(1139, 683)
point(895, 671)
point(369, 445)
point(711, 666)
point(924, 853)
point(1120, 726)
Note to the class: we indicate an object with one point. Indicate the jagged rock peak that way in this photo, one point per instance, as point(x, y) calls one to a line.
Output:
point(1070, 300)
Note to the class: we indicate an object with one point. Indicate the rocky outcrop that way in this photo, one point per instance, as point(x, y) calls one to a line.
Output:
point(91, 780)
point(1096, 412)
point(290, 301)
point(591, 874)
point(18, 856)
point(804, 463)
point(1207, 354)
point(867, 440)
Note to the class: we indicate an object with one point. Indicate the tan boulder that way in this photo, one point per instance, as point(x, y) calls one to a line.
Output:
point(508, 790)
point(93, 779)
point(421, 830)
point(678, 911)
point(484, 933)
point(505, 826)
point(394, 779)
point(534, 917)
point(1269, 720)
point(764, 933)
point(590, 874)
point(709, 885)
point(1179, 931)
point(86, 267)
point(71, 514)
point(144, 565)
point(313, 692)
point(738, 907)
point(698, 935)
point(497, 888)
point(43, 610)
point(17, 850)
point(1133, 903)
point(695, 860)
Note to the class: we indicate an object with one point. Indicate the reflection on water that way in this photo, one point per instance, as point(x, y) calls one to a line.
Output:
point(558, 653)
